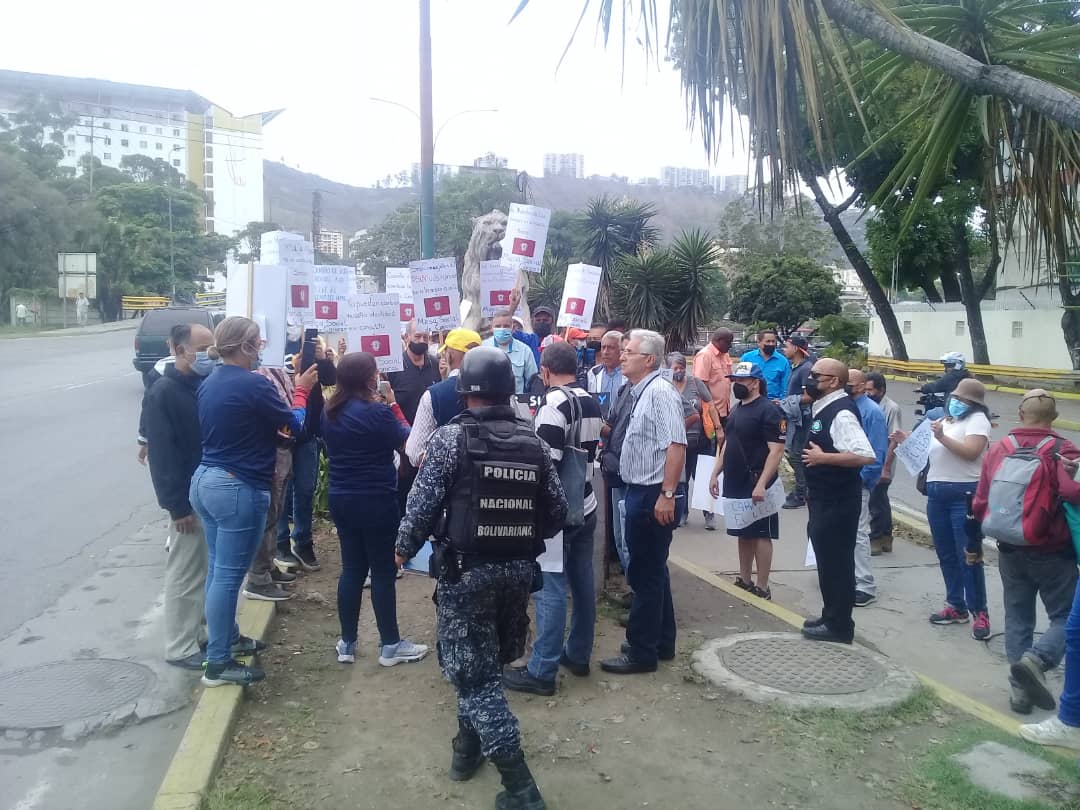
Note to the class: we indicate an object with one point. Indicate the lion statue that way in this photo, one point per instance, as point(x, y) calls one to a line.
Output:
point(484, 245)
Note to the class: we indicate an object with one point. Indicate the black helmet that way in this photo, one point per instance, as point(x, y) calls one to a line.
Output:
point(486, 371)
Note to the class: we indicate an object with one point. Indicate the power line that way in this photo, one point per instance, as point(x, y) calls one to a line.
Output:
point(151, 118)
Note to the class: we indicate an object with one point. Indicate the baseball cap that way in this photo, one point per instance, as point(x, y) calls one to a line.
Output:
point(577, 334)
point(461, 339)
point(798, 340)
point(745, 371)
point(549, 340)
point(545, 309)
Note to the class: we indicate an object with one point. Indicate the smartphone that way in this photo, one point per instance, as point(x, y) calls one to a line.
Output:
point(384, 387)
point(307, 353)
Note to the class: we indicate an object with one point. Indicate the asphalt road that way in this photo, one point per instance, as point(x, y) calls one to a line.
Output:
point(81, 583)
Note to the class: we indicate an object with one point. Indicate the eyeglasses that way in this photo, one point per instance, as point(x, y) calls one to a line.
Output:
point(817, 375)
point(629, 353)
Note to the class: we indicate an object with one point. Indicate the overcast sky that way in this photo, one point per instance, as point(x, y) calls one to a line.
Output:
point(322, 60)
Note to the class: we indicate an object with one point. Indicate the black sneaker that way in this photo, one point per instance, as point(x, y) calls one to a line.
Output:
point(194, 662)
point(281, 577)
point(306, 556)
point(248, 646)
point(862, 599)
point(231, 673)
point(793, 502)
point(663, 655)
point(581, 670)
point(286, 563)
point(267, 593)
point(519, 680)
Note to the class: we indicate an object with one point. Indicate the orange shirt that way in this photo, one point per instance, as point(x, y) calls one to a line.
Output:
point(712, 368)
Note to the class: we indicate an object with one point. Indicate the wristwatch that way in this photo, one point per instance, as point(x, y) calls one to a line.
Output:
point(669, 493)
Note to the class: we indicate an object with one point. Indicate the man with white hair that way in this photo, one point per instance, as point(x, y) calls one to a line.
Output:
point(606, 378)
point(653, 452)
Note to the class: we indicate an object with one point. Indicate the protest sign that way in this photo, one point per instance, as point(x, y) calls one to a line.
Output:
point(372, 326)
point(435, 294)
point(399, 281)
point(261, 292)
point(526, 237)
point(914, 451)
point(331, 290)
point(579, 296)
point(552, 558)
point(741, 512)
point(701, 497)
point(497, 281)
point(301, 309)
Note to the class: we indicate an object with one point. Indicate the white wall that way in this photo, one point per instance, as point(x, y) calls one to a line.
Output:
point(929, 335)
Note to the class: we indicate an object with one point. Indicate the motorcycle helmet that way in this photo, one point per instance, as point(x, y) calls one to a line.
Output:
point(954, 359)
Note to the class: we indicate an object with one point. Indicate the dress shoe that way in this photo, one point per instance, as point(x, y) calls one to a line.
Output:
point(822, 633)
point(625, 665)
point(665, 655)
point(875, 547)
point(814, 622)
point(581, 670)
point(519, 680)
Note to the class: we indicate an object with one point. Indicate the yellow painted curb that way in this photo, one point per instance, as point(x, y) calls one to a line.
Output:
point(1005, 389)
point(781, 613)
point(196, 760)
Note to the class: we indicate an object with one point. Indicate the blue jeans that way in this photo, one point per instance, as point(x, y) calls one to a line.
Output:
point(1069, 702)
point(946, 512)
point(551, 605)
point(299, 497)
point(233, 514)
point(650, 629)
point(618, 526)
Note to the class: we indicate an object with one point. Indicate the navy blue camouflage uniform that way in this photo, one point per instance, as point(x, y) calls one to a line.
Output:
point(482, 618)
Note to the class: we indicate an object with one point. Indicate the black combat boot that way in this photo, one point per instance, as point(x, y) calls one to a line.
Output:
point(467, 757)
point(521, 792)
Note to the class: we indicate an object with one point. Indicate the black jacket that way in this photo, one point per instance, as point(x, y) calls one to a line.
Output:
point(175, 441)
point(946, 383)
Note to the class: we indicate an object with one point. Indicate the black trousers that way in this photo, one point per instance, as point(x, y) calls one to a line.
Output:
point(880, 511)
point(832, 527)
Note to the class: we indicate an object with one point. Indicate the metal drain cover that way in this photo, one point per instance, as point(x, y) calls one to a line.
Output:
point(794, 665)
point(51, 695)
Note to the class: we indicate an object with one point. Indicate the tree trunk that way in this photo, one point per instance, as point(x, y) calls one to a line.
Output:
point(950, 286)
point(930, 289)
point(1053, 102)
point(1070, 318)
point(873, 289)
point(972, 303)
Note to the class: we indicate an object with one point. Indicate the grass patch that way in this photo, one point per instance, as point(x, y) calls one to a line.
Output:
point(844, 731)
point(238, 797)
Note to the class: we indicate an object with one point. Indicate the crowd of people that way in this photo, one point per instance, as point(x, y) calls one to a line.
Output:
point(234, 457)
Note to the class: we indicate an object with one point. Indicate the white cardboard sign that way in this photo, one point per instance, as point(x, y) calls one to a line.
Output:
point(741, 512)
point(552, 558)
point(497, 281)
point(265, 286)
point(579, 296)
point(399, 282)
point(701, 498)
point(371, 325)
point(333, 286)
point(301, 281)
point(436, 296)
point(914, 451)
point(526, 237)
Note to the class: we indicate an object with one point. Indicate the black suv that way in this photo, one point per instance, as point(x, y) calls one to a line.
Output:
point(152, 337)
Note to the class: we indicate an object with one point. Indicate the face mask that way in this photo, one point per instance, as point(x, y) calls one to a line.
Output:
point(593, 345)
point(417, 347)
point(849, 390)
point(203, 364)
point(502, 335)
point(678, 376)
point(958, 408)
point(542, 329)
point(767, 351)
point(256, 361)
point(812, 389)
point(740, 391)
point(875, 397)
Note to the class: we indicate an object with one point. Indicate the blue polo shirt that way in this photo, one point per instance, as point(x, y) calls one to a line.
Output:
point(360, 443)
point(777, 370)
point(876, 430)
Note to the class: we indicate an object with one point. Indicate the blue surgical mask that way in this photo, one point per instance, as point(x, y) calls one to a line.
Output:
point(204, 364)
point(502, 335)
point(958, 408)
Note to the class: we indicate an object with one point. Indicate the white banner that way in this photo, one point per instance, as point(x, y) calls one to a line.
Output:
point(301, 280)
point(701, 498)
point(399, 281)
point(579, 296)
point(435, 294)
point(552, 558)
point(526, 237)
point(914, 451)
point(372, 326)
point(497, 281)
point(332, 288)
point(741, 512)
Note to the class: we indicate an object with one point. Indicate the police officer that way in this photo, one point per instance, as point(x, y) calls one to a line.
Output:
point(489, 493)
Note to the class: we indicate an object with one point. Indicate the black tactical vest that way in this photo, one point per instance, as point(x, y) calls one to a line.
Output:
point(493, 504)
point(825, 481)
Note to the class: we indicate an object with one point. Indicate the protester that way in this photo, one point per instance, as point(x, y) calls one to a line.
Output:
point(562, 423)
point(586, 359)
point(775, 367)
point(521, 357)
point(22, 314)
point(956, 452)
point(606, 378)
point(651, 461)
point(749, 459)
point(361, 435)
point(82, 308)
point(172, 423)
point(836, 450)
point(240, 416)
point(873, 425)
point(796, 407)
point(441, 402)
point(880, 508)
point(543, 325)
point(1046, 566)
point(420, 371)
point(696, 401)
point(712, 366)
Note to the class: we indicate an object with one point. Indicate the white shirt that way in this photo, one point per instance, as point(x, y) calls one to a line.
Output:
point(423, 426)
point(945, 465)
point(21, 311)
point(846, 431)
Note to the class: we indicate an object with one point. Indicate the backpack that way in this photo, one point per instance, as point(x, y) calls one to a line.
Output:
point(1023, 497)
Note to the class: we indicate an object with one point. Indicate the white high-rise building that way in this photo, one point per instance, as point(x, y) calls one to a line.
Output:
point(682, 176)
point(331, 243)
point(729, 184)
point(564, 164)
point(490, 161)
point(219, 152)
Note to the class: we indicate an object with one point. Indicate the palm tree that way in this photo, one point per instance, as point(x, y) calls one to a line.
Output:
point(644, 287)
point(697, 263)
point(615, 229)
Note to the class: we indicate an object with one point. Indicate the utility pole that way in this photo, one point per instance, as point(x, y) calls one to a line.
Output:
point(91, 156)
point(427, 144)
point(316, 219)
point(172, 251)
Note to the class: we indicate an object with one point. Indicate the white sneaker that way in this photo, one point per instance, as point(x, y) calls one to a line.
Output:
point(404, 652)
point(1052, 732)
point(346, 652)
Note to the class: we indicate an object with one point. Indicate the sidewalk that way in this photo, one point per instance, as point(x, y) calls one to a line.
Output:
point(96, 329)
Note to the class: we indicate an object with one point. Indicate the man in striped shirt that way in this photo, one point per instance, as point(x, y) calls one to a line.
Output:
point(650, 466)
point(555, 425)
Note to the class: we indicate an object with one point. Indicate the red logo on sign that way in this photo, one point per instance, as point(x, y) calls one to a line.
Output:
point(326, 310)
point(524, 247)
point(437, 307)
point(299, 295)
point(406, 312)
point(376, 345)
point(575, 306)
point(499, 298)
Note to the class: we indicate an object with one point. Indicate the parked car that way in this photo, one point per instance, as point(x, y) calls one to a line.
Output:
point(152, 337)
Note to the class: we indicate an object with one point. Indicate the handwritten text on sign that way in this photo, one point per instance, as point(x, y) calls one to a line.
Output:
point(741, 512)
point(914, 451)
point(373, 327)
point(435, 294)
point(526, 237)
point(399, 282)
point(579, 296)
point(496, 283)
point(300, 310)
point(333, 286)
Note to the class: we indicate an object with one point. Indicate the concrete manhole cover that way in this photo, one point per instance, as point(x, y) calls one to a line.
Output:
point(793, 665)
point(54, 694)
point(786, 668)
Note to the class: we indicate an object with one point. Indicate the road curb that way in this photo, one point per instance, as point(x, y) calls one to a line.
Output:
point(1008, 389)
point(199, 754)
